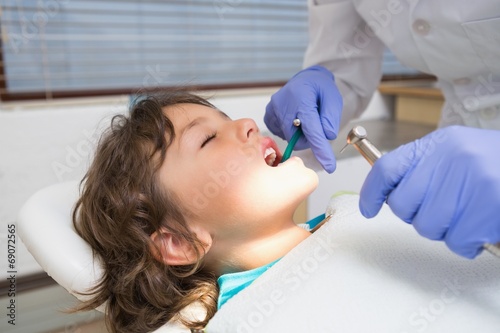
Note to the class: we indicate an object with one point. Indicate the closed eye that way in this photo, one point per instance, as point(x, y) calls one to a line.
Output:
point(208, 138)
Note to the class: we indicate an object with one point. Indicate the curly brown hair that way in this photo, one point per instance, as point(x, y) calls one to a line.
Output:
point(121, 204)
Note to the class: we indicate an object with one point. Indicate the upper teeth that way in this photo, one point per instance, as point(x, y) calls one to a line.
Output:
point(270, 156)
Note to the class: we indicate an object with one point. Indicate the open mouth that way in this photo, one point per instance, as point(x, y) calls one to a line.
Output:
point(272, 155)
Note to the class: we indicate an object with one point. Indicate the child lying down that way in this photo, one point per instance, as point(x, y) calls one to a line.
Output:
point(178, 195)
point(187, 207)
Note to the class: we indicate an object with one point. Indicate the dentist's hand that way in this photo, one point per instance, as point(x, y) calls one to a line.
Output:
point(311, 96)
point(447, 184)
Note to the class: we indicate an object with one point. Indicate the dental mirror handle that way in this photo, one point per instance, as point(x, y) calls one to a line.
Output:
point(358, 138)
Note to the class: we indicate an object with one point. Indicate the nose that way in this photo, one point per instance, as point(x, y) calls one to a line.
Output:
point(246, 127)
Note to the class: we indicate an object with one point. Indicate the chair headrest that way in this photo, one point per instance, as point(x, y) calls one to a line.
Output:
point(46, 228)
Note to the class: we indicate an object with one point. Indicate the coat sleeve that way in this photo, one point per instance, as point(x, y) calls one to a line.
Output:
point(340, 40)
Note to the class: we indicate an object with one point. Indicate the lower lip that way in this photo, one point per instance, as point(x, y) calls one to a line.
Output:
point(290, 160)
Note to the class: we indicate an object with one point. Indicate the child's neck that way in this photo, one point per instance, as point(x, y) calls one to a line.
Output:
point(241, 256)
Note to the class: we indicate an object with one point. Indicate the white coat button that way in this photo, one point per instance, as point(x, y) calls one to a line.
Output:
point(421, 27)
point(462, 81)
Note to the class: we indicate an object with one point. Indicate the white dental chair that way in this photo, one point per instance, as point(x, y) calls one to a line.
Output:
point(45, 227)
point(376, 283)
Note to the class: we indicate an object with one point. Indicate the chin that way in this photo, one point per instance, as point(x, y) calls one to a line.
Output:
point(309, 180)
point(296, 178)
point(295, 168)
point(275, 189)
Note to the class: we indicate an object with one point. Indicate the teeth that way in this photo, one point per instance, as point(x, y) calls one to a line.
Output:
point(269, 151)
point(270, 156)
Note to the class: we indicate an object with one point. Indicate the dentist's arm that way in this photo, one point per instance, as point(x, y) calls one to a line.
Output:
point(342, 44)
point(446, 184)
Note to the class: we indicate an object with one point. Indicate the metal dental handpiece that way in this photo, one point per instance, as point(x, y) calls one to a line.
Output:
point(493, 248)
point(358, 138)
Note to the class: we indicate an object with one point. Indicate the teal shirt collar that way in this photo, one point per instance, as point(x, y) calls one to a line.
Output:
point(232, 283)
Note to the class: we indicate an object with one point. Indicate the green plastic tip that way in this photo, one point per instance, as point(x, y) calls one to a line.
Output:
point(291, 145)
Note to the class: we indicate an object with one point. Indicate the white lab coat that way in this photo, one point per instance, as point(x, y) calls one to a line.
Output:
point(456, 40)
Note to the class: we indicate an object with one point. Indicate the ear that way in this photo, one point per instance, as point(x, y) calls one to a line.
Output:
point(175, 250)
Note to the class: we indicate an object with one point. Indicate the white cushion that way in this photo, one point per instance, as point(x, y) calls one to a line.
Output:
point(46, 228)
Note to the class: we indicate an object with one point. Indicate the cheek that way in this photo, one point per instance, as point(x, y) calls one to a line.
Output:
point(217, 185)
point(242, 184)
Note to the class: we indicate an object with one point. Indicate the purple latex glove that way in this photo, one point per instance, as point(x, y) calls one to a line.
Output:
point(311, 96)
point(446, 184)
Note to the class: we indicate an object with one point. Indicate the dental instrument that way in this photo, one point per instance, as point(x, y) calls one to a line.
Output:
point(293, 141)
point(358, 138)
point(315, 223)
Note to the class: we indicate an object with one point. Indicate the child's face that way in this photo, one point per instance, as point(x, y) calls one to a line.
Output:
point(217, 167)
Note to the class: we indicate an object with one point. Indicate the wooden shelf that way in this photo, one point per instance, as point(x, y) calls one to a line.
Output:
point(419, 88)
point(418, 102)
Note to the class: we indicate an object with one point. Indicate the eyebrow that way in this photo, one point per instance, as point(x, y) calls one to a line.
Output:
point(197, 121)
point(192, 124)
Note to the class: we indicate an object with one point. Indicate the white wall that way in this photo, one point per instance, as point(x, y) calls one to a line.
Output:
point(42, 144)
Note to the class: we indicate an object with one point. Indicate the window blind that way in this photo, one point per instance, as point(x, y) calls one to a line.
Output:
point(54, 48)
